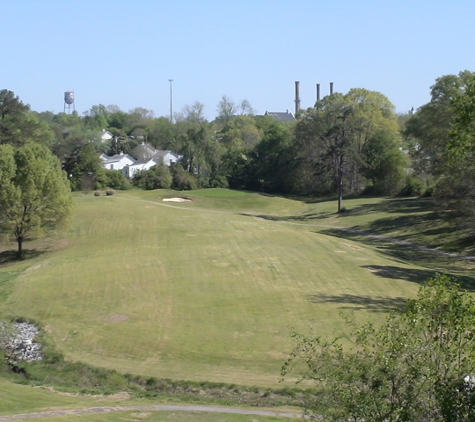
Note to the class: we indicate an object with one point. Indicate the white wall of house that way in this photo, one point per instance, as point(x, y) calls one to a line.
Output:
point(170, 158)
point(117, 162)
point(131, 170)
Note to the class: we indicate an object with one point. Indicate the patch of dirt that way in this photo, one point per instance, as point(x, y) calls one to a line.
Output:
point(61, 244)
point(36, 267)
point(141, 415)
point(120, 396)
point(123, 395)
point(118, 318)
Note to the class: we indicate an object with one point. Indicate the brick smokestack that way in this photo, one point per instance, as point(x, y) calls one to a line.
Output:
point(297, 97)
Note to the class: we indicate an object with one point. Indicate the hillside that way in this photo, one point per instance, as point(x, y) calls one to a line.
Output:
point(210, 289)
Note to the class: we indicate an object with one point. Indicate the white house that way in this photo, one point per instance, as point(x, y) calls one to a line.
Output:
point(117, 161)
point(167, 157)
point(140, 165)
point(106, 135)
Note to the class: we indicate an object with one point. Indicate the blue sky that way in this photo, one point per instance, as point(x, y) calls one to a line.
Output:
point(124, 52)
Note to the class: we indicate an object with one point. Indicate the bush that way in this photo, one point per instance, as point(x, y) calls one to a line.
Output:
point(219, 182)
point(413, 187)
point(110, 192)
point(97, 193)
point(158, 177)
point(411, 368)
point(112, 179)
point(183, 180)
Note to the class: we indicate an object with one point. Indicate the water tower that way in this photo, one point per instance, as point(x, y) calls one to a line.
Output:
point(69, 101)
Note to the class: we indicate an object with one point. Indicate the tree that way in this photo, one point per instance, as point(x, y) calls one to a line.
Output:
point(456, 186)
point(384, 164)
point(428, 130)
point(226, 109)
point(35, 195)
point(331, 137)
point(417, 366)
point(271, 159)
point(18, 125)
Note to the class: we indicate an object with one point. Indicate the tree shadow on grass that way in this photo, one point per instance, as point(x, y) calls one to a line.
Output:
point(418, 276)
point(401, 249)
point(366, 303)
point(386, 304)
point(10, 256)
point(396, 205)
point(409, 206)
point(304, 217)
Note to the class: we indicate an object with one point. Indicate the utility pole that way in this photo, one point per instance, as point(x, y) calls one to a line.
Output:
point(171, 99)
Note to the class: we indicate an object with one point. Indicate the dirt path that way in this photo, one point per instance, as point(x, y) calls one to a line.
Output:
point(152, 408)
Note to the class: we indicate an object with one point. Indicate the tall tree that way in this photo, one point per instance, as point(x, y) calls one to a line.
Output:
point(18, 124)
point(226, 109)
point(456, 186)
point(428, 130)
point(35, 195)
point(330, 138)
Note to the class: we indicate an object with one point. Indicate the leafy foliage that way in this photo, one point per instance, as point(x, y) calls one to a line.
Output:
point(158, 177)
point(428, 131)
point(35, 194)
point(337, 143)
point(412, 368)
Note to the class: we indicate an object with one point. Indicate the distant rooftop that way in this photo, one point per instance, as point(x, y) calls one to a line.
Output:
point(281, 116)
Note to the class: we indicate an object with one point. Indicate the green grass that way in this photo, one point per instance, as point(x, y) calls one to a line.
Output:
point(210, 290)
point(166, 416)
point(23, 399)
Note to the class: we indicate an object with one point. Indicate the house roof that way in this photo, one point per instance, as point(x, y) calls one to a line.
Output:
point(147, 151)
point(162, 153)
point(281, 116)
point(116, 158)
point(142, 161)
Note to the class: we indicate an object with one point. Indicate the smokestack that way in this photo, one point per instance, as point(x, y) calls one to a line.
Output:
point(297, 97)
point(331, 88)
point(318, 93)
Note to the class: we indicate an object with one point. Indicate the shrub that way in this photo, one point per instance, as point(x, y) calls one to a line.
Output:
point(183, 180)
point(158, 177)
point(97, 193)
point(219, 182)
point(112, 179)
point(110, 192)
point(414, 367)
point(413, 187)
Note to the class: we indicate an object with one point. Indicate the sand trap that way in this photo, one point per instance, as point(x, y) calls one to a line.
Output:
point(176, 200)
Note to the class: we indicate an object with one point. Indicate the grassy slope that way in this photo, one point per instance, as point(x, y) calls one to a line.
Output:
point(21, 399)
point(208, 291)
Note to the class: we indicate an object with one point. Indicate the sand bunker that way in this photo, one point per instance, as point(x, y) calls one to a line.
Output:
point(176, 199)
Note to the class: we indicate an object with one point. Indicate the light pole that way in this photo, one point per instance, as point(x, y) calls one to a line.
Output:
point(171, 99)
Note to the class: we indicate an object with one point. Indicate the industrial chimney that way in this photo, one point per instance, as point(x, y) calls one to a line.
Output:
point(318, 93)
point(297, 97)
point(331, 88)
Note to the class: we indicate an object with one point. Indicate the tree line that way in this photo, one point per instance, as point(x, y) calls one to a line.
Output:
point(353, 143)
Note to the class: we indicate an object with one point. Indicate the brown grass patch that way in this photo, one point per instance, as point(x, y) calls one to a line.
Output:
point(118, 318)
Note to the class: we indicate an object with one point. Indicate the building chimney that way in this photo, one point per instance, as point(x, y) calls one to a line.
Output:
point(331, 88)
point(297, 97)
